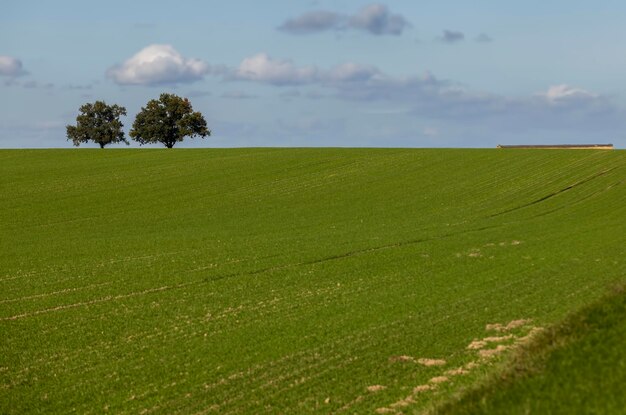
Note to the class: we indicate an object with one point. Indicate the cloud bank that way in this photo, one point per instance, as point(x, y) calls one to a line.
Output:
point(375, 19)
point(559, 107)
point(158, 65)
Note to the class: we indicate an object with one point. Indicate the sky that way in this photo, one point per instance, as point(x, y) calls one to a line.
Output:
point(339, 73)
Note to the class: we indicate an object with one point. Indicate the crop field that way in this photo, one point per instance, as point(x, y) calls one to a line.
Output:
point(290, 281)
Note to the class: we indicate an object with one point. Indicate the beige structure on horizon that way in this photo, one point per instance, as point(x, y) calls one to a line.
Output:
point(562, 146)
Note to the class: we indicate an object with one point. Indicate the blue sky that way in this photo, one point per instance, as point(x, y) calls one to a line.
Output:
point(323, 73)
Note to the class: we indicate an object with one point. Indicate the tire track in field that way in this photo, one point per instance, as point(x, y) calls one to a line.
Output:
point(577, 202)
point(345, 255)
point(97, 265)
point(96, 301)
point(554, 194)
point(353, 253)
point(543, 175)
point(15, 277)
point(50, 294)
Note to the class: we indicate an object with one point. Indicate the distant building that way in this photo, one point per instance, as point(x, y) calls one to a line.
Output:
point(562, 146)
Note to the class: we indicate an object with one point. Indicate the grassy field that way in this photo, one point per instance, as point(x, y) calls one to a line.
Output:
point(290, 280)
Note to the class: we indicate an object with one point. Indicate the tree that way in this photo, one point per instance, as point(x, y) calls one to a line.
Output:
point(98, 122)
point(168, 120)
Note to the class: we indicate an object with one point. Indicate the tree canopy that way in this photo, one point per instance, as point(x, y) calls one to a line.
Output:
point(98, 122)
point(168, 120)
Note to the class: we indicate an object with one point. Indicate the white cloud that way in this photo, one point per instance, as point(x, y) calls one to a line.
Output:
point(283, 72)
point(263, 68)
point(10, 66)
point(565, 93)
point(157, 65)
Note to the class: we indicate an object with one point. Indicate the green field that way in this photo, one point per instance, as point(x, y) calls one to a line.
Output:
point(290, 280)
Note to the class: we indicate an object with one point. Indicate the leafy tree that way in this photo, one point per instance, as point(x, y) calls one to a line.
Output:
point(98, 122)
point(168, 120)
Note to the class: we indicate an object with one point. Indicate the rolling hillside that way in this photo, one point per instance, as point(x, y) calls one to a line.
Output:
point(290, 280)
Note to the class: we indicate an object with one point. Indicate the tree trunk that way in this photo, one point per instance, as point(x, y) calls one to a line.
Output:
point(101, 145)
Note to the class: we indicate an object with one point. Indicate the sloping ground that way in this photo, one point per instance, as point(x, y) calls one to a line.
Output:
point(576, 367)
point(289, 280)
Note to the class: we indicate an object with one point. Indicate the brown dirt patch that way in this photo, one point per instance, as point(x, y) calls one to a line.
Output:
point(422, 388)
point(431, 362)
point(510, 326)
point(498, 339)
point(477, 345)
point(403, 358)
point(376, 388)
point(471, 365)
point(517, 323)
point(489, 353)
point(439, 379)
